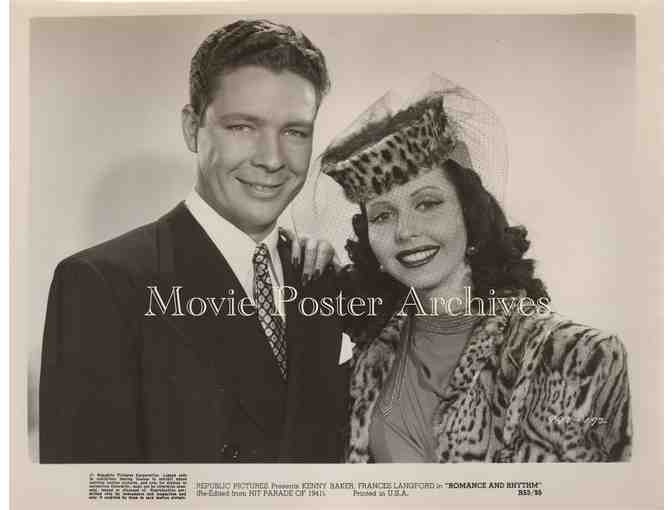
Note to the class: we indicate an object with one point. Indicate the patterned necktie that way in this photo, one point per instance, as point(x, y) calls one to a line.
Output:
point(271, 322)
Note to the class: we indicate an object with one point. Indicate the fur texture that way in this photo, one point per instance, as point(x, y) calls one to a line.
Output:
point(526, 389)
point(409, 146)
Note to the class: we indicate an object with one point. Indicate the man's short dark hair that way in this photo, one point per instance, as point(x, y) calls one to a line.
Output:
point(254, 42)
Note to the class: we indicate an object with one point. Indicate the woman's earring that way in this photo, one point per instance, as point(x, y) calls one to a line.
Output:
point(381, 269)
point(471, 251)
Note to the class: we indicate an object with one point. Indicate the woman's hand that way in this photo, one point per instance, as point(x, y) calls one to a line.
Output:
point(315, 254)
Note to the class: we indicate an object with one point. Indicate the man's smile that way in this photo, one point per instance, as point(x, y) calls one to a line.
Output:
point(261, 190)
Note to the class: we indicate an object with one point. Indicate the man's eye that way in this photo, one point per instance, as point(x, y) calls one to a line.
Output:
point(427, 204)
point(297, 133)
point(239, 128)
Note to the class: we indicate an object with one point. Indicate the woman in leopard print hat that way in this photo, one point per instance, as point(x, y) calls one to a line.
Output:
point(469, 363)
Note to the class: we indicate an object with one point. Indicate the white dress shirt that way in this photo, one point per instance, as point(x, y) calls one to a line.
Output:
point(237, 247)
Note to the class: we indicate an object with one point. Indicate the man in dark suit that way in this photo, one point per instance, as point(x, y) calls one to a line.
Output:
point(150, 353)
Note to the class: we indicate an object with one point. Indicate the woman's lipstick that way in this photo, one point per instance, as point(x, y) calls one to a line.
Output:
point(417, 256)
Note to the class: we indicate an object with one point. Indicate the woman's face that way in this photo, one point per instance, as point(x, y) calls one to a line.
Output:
point(418, 235)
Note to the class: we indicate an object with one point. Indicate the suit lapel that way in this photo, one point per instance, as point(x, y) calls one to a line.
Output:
point(232, 344)
point(296, 337)
point(293, 336)
point(291, 280)
point(313, 387)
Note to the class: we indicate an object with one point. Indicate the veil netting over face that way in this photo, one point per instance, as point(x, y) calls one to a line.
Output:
point(395, 139)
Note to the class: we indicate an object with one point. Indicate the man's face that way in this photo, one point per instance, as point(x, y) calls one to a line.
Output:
point(253, 145)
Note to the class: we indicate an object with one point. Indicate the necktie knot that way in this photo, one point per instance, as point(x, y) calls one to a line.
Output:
point(260, 257)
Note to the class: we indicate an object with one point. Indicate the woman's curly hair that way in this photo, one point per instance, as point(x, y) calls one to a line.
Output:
point(496, 261)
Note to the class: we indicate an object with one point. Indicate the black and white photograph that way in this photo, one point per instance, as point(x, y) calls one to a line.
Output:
point(295, 241)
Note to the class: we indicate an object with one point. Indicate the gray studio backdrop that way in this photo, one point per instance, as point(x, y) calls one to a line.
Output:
point(107, 152)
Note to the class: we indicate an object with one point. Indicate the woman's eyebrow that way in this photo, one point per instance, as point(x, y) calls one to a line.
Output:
point(429, 186)
point(381, 203)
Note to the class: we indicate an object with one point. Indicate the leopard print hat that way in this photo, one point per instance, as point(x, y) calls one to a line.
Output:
point(389, 145)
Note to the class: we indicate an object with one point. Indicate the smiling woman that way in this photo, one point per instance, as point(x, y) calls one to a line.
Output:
point(427, 205)
point(520, 384)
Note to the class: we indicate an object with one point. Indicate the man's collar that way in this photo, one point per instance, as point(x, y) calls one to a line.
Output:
point(234, 244)
point(203, 211)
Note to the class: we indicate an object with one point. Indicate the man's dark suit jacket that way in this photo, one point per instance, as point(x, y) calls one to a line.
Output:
point(117, 386)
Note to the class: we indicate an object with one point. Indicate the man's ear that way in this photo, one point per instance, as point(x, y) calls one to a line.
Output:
point(190, 124)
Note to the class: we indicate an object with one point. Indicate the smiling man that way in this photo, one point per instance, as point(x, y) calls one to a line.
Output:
point(125, 380)
point(253, 142)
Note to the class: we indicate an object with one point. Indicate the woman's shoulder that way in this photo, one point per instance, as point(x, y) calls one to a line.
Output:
point(560, 328)
point(561, 342)
point(573, 379)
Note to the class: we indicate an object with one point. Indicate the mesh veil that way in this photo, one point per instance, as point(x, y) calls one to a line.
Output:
point(324, 211)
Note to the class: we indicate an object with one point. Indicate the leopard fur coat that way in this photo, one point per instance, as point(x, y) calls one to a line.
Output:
point(526, 389)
